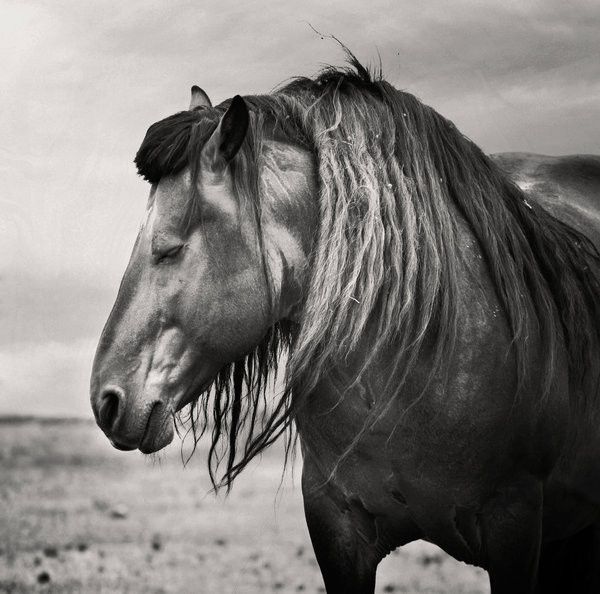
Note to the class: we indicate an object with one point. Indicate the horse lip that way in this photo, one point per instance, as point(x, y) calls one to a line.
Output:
point(156, 434)
point(122, 447)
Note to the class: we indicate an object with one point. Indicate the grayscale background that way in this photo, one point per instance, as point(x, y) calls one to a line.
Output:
point(81, 82)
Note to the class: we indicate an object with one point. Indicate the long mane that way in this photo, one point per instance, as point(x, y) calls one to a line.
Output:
point(392, 175)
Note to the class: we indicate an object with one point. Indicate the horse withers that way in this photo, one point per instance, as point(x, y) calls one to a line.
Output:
point(441, 325)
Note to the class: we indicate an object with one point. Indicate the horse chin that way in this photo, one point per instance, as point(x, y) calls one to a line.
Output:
point(193, 393)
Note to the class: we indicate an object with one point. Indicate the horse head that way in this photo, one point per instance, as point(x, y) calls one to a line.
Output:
point(217, 262)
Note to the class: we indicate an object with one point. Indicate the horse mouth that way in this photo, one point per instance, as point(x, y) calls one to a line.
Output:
point(159, 426)
point(158, 432)
point(121, 446)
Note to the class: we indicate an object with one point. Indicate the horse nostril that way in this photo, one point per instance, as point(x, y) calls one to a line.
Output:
point(109, 407)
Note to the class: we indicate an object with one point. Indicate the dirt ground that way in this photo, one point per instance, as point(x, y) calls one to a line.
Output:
point(78, 516)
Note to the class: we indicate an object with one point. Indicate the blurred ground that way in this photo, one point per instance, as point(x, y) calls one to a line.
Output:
point(78, 516)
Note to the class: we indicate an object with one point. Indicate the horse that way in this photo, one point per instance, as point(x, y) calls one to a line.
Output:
point(434, 314)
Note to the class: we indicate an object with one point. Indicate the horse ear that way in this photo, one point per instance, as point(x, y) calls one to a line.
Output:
point(228, 136)
point(199, 98)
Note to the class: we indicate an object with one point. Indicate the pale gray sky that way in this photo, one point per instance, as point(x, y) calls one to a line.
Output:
point(81, 82)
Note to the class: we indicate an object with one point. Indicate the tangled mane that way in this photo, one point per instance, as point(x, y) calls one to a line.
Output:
point(392, 175)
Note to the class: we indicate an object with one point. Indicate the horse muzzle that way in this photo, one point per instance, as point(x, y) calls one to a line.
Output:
point(132, 424)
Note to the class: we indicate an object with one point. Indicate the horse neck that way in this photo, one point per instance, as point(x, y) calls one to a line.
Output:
point(340, 394)
point(478, 374)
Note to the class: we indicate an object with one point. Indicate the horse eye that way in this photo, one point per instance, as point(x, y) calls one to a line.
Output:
point(168, 254)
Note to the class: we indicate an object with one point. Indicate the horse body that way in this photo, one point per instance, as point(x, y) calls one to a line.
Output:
point(569, 188)
point(429, 475)
point(481, 448)
point(431, 478)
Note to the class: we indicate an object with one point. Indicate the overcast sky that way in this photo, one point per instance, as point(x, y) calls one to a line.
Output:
point(82, 81)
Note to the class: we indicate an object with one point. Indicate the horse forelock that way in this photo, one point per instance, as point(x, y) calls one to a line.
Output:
point(392, 173)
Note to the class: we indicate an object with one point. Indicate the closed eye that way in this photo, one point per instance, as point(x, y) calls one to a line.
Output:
point(168, 254)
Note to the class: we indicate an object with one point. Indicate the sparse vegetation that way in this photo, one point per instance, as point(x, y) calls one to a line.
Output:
point(62, 482)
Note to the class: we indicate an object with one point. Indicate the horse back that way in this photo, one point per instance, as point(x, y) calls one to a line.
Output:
point(568, 186)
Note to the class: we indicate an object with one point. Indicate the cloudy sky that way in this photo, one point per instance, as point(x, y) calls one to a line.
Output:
point(81, 82)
